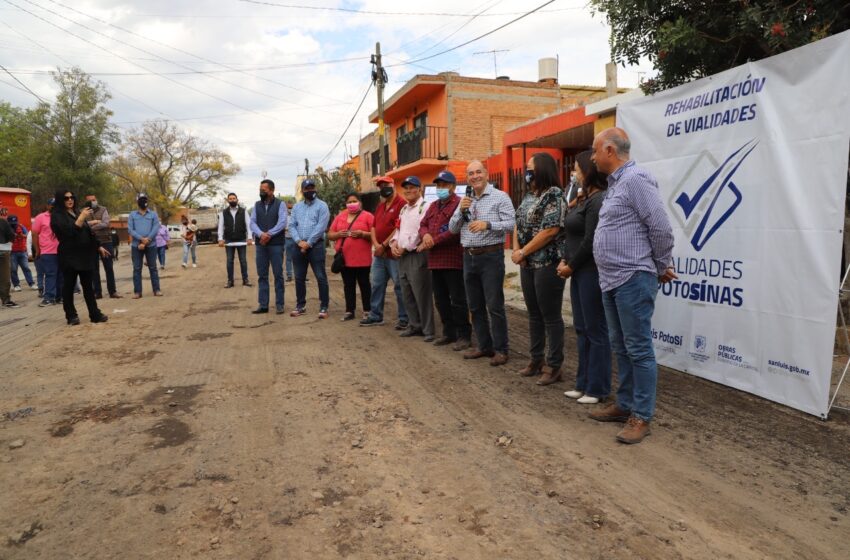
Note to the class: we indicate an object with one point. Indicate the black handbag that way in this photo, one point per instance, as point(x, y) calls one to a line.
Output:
point(339, 260)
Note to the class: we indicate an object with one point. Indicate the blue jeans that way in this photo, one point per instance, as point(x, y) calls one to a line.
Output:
point(315, 257)
point(19, 259)
point(384, 269)
point(594, 348)
point(628, 310)
point(241, 251)
point(291, 247)
point(484, 277)
point(52, 278)
point(149, 254)
point(187, 248)
point(266, 255)
point(39, 274)
point(160, 253)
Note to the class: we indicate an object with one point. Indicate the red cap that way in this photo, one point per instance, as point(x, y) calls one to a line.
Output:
point(385, 179)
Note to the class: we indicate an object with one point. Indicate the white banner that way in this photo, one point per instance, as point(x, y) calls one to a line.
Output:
point(752, 165)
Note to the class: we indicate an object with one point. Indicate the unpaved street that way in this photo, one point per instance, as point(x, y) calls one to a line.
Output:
point(186, 427)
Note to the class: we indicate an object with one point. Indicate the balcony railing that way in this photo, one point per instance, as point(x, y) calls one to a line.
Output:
point(425, 142)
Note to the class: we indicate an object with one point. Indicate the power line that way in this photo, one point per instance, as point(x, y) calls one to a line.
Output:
point(456, 47)
point(383, 13)
point(458, 30)
point(22, 84)
point(199, 57)
point(344, 132)
point(181, 84)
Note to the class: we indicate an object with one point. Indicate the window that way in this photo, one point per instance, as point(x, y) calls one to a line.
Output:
point(400, 132)
point(421, 120)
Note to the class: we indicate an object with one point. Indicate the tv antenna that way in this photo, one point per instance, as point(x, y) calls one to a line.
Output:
point(493, 52)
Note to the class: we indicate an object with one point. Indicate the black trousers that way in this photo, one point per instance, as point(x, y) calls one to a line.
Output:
point(107, 267)
point(69, 276)
point(543, 291)
point(351, 277)
point(450, 300)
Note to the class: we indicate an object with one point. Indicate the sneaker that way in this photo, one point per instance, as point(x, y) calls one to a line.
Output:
point(323, 313)
point(289, 278)
point(400, 325)
point(46, 303)
point(461, 344)
point(371, 322)
point(34, 287)
point(183, 265)
point(297, 312)
point(194, 265)
point(587, 399)
point(229, 285)
point(10, 304)
point(248, 284)
point(16, 289)
point(573, 394)
point(40, 293)
point(348, 316)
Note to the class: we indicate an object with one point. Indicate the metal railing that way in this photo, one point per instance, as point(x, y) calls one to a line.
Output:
point(425, 142)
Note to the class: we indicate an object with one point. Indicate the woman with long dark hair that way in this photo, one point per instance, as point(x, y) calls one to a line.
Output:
point(78, 250)
point(538, 222)
point(593, 378)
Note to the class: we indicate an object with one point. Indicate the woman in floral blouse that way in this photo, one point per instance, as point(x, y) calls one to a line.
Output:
point(538, 222)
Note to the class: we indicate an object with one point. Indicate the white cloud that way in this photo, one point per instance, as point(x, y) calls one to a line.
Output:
point(304, 111)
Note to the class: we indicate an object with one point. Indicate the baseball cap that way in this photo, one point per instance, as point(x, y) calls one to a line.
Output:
point(141, 195)
point(445, 177)
point(12, 219)
point(307, 183)
point(384, 179)
point(412, 180)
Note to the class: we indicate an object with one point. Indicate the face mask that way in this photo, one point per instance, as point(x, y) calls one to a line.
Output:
point(142, 202)
point(93, 204)
point(233, 203)
point(387, 192)
point(353, 207)
point(264, 196)
point(442, 194)
point(309, 195)
point(529, 177)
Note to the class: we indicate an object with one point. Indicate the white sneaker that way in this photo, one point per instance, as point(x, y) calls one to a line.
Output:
point(573, 394)
point(183, 265)
point(587, 399)
point(16, 289)
point(34, 287)
point(194, 265)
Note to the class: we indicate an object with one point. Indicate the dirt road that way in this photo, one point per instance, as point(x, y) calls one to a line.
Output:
point(188, 428)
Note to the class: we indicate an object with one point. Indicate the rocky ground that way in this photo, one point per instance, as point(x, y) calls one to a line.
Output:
point(186, 427)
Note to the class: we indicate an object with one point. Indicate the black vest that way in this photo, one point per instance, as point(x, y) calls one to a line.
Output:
point(267, 219)
point(234, 230)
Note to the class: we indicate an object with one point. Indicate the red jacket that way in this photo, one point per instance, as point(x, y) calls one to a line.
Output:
point(19, 244)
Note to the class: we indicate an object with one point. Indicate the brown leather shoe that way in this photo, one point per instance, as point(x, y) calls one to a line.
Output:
point(461, 344)
point(499, 359)
point(137, 296)
point(444, 340)
point(532, 369)
point(611, 413)
point(634, 431)
point(475, 353)
point(549, 376)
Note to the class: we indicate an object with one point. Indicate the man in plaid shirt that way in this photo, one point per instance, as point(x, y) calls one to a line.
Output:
point(445, 260)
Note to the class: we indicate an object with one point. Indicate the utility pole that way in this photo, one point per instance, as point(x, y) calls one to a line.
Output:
point(306, 166)
point(493, 52)
point(379, 77)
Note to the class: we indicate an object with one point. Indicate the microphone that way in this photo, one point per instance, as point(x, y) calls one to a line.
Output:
point(465, 213)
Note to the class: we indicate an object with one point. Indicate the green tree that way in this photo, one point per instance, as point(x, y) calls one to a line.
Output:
point(174, 168)
point(689, 39)
point(333, 186)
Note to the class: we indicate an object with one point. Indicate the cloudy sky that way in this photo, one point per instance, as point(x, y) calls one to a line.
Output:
point(274, 82)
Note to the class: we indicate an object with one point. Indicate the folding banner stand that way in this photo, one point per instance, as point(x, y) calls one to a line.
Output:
point(843, 294)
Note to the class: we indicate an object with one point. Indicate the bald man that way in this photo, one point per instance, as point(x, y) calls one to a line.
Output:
point(633, 249)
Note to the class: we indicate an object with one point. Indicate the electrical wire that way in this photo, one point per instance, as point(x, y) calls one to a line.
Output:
point(479, 37)
point(344, 132)
point(381, 13)
point(22, 84)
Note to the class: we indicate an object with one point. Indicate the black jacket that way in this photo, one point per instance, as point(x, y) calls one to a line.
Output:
point(77, 244)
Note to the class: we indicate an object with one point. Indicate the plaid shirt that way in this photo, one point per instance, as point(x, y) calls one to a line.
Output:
point(447, 252)
point(634, 232)
point(494, 207)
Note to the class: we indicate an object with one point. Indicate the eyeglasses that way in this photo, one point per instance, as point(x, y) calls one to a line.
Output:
point(71, 197)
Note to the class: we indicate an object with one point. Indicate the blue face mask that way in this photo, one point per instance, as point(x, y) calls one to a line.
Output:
point(443, 194)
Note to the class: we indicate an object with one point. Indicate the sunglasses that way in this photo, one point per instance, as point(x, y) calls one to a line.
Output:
point(71, 197)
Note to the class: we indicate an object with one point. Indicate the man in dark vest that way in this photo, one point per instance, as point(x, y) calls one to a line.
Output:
point(99, 224)
point(233, 236)
point(268, 220)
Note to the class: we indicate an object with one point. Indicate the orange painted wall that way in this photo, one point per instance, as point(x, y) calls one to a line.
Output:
point(437, 108)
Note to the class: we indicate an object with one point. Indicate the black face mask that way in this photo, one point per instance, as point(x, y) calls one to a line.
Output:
point(309, 195)
point(529, 177)
point(264, 196)
point(387, 192)
point(142, 202)
point(233, 203)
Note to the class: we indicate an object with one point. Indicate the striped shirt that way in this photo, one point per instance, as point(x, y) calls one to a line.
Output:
point(494, 207)
point(634, 232)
